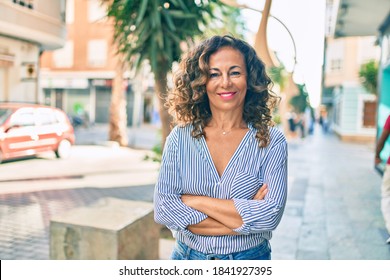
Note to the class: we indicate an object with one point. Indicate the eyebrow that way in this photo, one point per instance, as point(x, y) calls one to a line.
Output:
point(232, 67)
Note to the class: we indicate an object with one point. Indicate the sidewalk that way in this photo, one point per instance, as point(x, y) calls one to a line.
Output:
point(332, 212)
point(141, 137)
point(333, 206)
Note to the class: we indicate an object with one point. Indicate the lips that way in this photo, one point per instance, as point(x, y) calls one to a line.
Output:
point(227, 95)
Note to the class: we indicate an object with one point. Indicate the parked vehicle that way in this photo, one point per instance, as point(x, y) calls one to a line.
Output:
point(28, 129)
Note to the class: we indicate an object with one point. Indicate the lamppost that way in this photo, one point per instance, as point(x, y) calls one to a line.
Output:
point(268, 57)
point(261, 42)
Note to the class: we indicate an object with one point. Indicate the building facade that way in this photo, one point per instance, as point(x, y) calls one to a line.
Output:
point(27, 28)
point(352, 108)
point(78, 77)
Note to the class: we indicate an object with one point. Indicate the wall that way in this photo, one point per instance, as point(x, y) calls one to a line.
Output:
point(348, 108)
point(16, 82)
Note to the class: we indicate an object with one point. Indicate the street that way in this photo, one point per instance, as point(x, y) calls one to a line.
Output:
point(94, 161)
point(89, 165)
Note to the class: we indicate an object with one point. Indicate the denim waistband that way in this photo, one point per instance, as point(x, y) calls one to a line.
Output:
point(259, 252)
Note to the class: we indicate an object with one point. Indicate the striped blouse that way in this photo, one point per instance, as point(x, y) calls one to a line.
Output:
point(187, 168)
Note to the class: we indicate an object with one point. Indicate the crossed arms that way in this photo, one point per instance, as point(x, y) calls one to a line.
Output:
point(180, 205)
point(222, 214)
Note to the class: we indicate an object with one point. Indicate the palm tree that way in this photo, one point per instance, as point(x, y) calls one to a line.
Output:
point(155, 31)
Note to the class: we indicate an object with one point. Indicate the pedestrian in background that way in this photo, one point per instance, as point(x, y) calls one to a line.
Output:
point(222, 185)
point(385, 188)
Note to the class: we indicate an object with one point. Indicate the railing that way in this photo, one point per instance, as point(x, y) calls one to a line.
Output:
point(25, 3)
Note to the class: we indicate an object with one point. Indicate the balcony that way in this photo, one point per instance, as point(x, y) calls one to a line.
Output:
point(34, 25)
point(360, 17)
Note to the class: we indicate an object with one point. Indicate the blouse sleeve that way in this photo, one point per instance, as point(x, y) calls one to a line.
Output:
point(169, 210)
point(265, 215)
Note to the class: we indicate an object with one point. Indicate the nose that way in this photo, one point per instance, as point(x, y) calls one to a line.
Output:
point(226, 81)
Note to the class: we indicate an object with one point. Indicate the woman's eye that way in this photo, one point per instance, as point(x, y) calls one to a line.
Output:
point(235, 73)
point(214, 75)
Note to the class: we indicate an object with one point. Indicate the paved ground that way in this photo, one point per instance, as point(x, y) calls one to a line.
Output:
point(333, 208)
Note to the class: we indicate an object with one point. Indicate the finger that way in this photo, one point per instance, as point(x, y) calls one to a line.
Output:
point(259, 196)
point(261, 193)
point(263, 187)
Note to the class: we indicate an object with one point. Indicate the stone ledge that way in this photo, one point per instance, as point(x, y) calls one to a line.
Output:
point(110, 229)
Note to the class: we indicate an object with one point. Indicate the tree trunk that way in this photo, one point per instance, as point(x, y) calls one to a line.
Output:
point(118, 115)
point(161, 86)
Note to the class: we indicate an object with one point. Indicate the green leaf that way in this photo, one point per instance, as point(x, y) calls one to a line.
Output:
point(168, 51)
point(142, 11)
point(180, 14)
point(153, 54)
point(169, 20)
point(160, 40)
point(173, 36)
point(182, 5)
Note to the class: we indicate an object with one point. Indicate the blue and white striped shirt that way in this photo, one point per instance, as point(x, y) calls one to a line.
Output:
point(187, 168)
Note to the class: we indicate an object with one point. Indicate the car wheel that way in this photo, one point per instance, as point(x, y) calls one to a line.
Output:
point(64, 149)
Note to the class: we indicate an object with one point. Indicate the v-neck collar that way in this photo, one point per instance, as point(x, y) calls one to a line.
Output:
point(236, 153)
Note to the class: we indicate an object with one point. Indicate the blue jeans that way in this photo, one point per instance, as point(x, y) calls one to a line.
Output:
point(261, 252)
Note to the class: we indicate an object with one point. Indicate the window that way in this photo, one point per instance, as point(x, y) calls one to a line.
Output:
point(96, 11)
point(369, 114)
point(69, 11)
point(335, 55)
point(45, 116)
point(97, 53)
point(4, 114)
point(63, 58)
point(336, 65)
point(24, 117)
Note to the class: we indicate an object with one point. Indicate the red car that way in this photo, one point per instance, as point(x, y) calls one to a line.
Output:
point(28, 129)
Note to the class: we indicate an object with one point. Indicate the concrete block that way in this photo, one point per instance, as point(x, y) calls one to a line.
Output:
point(108, 230)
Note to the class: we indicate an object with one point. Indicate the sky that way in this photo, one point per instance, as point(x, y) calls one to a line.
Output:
point(304, 20)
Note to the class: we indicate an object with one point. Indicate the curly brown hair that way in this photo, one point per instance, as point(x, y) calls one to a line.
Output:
point(188, 102)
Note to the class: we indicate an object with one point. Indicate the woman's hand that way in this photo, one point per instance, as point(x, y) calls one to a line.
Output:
point(261, 192)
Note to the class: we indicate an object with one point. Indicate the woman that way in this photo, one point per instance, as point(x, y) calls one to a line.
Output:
point(223, 180)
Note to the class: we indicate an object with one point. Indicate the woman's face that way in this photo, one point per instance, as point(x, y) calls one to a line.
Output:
point(226, 85)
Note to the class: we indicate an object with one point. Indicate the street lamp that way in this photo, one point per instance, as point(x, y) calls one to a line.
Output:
point(261, 34)
point(265, 54)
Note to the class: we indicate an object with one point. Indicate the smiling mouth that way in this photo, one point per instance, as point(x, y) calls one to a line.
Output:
point(227, 95)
